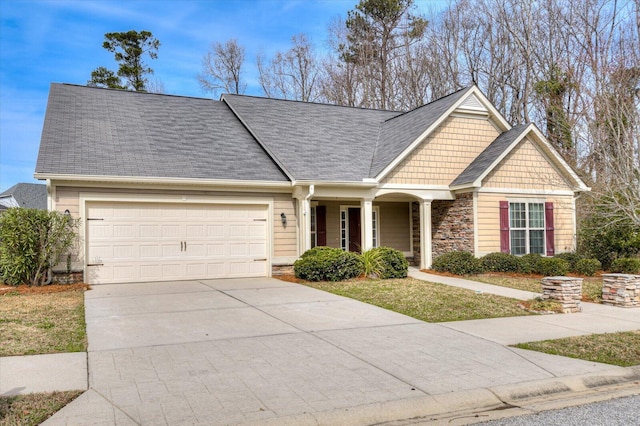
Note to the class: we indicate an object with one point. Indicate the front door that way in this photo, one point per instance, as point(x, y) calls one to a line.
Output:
point(355, 242)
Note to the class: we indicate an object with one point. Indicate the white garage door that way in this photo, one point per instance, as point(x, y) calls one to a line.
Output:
point(137, 242)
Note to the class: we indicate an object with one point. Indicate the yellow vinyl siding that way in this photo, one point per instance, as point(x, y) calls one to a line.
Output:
point(395, 230)
point(444, 154)
point(284, 236)
point(489, 220)
point(525, 168)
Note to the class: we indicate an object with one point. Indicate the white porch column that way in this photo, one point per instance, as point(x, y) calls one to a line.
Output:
point(366, 207)
point(306, 224)
point(425, 234)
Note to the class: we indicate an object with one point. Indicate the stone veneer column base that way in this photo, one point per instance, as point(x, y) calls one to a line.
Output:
point(622, 290)
point(566, 290)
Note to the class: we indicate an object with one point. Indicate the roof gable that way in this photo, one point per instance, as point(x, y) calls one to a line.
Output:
point(401, 135)
point(494, 154)
point(101, 132)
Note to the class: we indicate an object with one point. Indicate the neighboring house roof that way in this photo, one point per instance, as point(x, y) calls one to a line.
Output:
point(100, 132)
point(313, 141)
point(397, 133)
point(27, 195)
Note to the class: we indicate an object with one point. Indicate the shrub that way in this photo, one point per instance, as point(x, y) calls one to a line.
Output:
point(626, 265)
point(588, 267)
point(528, 264)
point(552, 266)
point(328, 264)
point(500, 262)
point(394, 264)
point(570, 257)
point(31, 242)
point(372, 263)
point(459, 263)
point(608, 240)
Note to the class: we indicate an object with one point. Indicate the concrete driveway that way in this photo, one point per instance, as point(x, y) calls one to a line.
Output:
point(264, 350)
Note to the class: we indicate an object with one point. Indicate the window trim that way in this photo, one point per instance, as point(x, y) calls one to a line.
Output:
point(527, 228)
point(344, 225)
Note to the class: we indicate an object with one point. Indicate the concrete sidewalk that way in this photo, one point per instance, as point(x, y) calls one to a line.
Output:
point(266, 351)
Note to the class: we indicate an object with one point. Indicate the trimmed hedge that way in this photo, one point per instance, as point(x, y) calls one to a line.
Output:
point(501, 262)
point(587, 267)
point(552, 267)
point(328, 264)
point(392, 262)
point(571, 257)
point(459, 263)
point(626, 265)
point(529, 263)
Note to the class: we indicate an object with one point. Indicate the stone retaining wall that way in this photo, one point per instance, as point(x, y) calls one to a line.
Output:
point(566, 290)
point(622, 290)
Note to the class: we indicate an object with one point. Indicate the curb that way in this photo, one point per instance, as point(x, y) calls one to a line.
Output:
point(479, 405)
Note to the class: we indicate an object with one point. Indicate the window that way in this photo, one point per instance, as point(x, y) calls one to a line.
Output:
point(314, 234)
point(526, 228)
point(344, 227)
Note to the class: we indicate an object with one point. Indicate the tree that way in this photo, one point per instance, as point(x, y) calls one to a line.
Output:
point(128, 48)
point(31, 242)
point(293, 74)
point(103, 77)
point(377, 32)
point(222, 68)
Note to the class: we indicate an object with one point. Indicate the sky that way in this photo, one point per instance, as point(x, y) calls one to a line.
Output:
point(60, 41)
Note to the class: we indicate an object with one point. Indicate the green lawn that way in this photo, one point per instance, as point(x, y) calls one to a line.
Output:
point(591, 286)
point(621, 349)
point(425, 301)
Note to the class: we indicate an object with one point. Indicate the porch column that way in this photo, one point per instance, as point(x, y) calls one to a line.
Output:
point(306, 220)
point(425, 234)
point(366, 207)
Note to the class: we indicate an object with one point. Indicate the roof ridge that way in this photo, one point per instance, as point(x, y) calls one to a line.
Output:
point(311, 103)
point(134, 91)
point(428, 104)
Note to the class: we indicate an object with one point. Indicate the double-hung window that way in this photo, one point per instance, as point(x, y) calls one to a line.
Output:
point(526, 227)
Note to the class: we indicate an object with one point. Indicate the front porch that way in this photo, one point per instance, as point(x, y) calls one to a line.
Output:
point(396, 220)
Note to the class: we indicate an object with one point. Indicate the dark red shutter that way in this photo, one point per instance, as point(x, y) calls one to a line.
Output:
point(549, 234)
point(321, 225)
point(504, 226)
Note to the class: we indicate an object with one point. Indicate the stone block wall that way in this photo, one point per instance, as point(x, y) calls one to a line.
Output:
point(64, 277)
point(621, 290)
point(566, 290)
point(452, 225)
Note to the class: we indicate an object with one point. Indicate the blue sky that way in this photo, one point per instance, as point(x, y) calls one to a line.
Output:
point(61, 41)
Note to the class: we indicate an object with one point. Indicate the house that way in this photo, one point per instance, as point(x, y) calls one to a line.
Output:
point(26, 195)
point(171, 187)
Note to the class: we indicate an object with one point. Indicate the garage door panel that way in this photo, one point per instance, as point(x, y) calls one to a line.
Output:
point(144, 241)
point(150, 251)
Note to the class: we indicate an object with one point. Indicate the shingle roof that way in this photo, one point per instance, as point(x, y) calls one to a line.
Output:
point(314, 141)
point(27, 195)
point(397, 133)
point(487, 157)
point(92, 131)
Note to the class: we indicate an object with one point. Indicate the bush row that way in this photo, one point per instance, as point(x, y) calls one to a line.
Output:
point(464, 263)
point(333, 264)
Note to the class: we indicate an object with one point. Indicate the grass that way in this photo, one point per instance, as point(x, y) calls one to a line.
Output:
point(33, 409)
point(621, 349)
point(591, 286)
point(425, 301)
point(42, 321)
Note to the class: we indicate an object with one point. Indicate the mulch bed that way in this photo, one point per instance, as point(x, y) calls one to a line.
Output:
point(45, 289)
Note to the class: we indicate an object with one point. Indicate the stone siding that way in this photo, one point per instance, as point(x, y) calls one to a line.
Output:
point(452, 223)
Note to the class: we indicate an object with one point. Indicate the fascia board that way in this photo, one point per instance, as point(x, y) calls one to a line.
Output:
point(160, 181)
